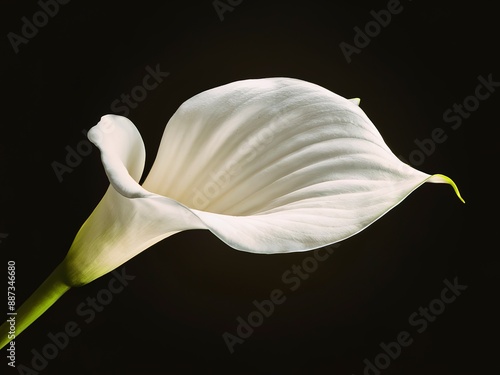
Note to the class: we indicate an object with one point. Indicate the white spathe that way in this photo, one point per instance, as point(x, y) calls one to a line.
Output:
point(267, 165)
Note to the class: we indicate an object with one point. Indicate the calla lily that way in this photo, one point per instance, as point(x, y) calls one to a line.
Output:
point(268, 166)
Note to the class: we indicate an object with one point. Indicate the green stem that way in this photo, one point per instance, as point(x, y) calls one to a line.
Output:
point(44, 297)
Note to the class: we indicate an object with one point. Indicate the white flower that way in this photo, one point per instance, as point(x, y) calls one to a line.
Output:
point(268, 166)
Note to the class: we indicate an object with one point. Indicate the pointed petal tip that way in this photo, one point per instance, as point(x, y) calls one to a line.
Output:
point(355, 101)
point(441, 178)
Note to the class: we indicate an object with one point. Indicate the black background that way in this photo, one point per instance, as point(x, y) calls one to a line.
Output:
point(190, 288)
